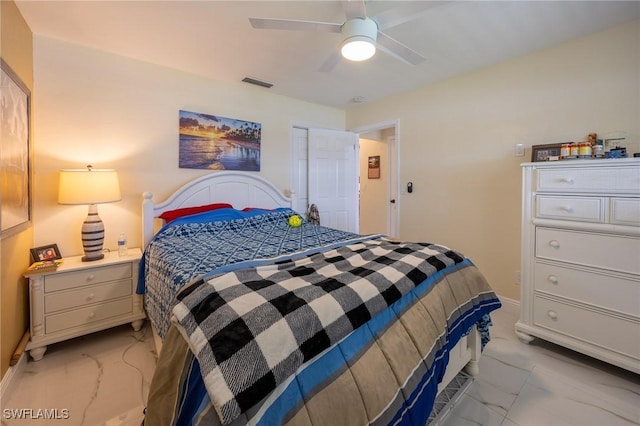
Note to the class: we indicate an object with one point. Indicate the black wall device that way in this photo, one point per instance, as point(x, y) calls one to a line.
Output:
point(410, 187)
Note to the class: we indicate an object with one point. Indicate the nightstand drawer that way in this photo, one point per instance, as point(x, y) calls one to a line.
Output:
point(86, 295)
point(619, 180)
point(83, 277)
point(625, 211)
point(582, 209)
point(88, 315)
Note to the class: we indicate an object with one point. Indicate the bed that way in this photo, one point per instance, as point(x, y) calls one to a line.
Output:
point(259, 322)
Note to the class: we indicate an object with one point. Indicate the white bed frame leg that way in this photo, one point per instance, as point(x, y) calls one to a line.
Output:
point(474, 344)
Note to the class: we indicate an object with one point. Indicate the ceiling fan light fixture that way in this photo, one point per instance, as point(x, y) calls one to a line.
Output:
point(360, 36)
point(358, 48)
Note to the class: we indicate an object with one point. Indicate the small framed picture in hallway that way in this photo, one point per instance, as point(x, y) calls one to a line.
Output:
point(374, 167)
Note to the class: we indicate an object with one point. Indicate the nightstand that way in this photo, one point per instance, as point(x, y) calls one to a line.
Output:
point(83, 297)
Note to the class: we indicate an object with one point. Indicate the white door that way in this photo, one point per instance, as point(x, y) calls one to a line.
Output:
point(333, 177)
point(299, 170)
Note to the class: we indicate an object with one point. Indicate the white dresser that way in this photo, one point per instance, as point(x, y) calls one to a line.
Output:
point(581, 257)
point(82, 297)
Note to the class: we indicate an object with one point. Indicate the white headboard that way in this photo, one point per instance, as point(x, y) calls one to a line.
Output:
point(236, 188)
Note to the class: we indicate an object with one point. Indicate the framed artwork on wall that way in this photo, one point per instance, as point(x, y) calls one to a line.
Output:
point(374, 167)
point(15, 205)
point(218, 143)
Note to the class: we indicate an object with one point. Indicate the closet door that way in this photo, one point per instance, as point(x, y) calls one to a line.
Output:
point(333, 177)
point(299, 170)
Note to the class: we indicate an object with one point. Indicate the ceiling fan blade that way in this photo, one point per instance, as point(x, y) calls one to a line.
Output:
point(330, 63)
point(405, 13)
point(399, 50)
point(354, 9)
point(293, 25)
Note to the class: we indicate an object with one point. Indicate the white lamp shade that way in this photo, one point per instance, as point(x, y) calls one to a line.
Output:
point(84, 186)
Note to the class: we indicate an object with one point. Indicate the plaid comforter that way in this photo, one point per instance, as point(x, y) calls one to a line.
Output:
point(253, 327)
point(194, 245)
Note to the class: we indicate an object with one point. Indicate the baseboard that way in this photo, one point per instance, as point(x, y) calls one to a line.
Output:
point(511, 306)
point(13, 374)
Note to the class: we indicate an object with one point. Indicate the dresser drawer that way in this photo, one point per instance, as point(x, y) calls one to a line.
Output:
point(625, 211)
point(83, 277)
point(613, 333)
point(619, 180)
point(582, 209)
point(86, 295)
point(606, 291)
point(88, 315)
point(613, 252)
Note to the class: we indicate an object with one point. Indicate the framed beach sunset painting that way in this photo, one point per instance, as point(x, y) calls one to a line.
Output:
point(218, 143)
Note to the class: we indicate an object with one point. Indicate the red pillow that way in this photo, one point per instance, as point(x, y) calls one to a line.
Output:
point(170, 215)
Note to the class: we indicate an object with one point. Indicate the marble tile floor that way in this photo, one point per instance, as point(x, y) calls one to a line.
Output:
point(542, 384)
point(99, 379)
point(103, 379)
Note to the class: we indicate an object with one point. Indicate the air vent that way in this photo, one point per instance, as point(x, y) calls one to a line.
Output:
point(257, 82)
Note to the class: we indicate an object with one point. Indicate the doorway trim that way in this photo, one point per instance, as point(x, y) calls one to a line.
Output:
point(394, 182)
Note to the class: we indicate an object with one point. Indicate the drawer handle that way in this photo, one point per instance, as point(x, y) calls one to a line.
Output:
point(568, 180)
point(568, 209)
point(552, 314)
point(90, 277)
point(553, 279)
point(91, 297)
point(92, 315)
point(554, 243)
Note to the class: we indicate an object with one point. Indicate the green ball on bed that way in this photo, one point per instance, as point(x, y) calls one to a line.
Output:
point(295, 221)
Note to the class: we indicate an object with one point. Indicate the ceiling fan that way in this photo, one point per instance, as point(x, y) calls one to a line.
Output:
point(361, 33)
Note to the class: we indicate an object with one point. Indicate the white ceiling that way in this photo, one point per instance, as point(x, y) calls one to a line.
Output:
point(214, 39)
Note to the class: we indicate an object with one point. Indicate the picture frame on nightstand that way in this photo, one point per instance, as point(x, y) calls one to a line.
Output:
point(48, 252)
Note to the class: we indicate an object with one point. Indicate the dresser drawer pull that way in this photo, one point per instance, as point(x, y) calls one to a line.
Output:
point(552, 314)
point(553, 279)
point(92, 315)
point(568, 180)
point(554, 243)
point(90, 277)
point(90, 297)
point(567, 209)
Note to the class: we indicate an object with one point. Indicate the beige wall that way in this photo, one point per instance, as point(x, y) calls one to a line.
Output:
point(110, 111)
point(457, 139)
point(373, 192)
point(16, 49)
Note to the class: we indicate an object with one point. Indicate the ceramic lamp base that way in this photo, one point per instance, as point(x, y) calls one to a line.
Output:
point(91, 259)
point(92, 235)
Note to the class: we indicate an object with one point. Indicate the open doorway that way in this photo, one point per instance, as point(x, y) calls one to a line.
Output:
point(381, 204)
point(378, 195)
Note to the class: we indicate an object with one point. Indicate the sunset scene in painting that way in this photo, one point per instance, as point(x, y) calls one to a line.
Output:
point(218, 143)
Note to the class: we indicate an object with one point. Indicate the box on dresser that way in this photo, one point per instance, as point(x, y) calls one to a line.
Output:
point(83, 297)
point(581, 257)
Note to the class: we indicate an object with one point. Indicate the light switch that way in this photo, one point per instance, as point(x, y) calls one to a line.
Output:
point(519, 150)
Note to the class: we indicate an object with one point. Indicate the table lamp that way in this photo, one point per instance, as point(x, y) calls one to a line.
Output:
point(90, 186)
